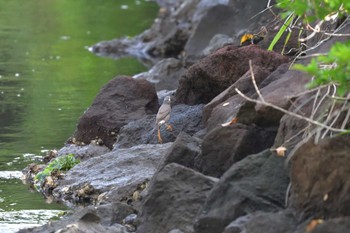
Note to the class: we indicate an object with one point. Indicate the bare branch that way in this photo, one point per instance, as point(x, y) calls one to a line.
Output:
point(289, 113)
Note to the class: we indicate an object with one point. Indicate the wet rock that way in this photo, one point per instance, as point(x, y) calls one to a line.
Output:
point(186, 151)
point(213, 74)
point(88, 220)
point(183, 118)
point(174, 198)
point(258, 182)
point(224, 146)
point(258, 222)
point(320, 178)
point(119, 172)
point(120, 101)
point(83, 152)
point(224, 107)
point(165, 74)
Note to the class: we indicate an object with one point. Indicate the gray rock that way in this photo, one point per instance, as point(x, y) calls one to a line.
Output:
point(119, 172)
point(224, 146)
point(183, 118)
point(83, 152)
point(165, 74)
point(175, 195)
point(186, 151)
point(101, 219)
point(258, 222)
point(258, 182)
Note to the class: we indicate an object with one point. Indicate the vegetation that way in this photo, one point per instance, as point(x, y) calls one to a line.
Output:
point(332, 68)
point(62, 163)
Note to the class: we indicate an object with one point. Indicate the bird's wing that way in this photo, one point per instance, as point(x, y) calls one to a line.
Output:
point(163, 112)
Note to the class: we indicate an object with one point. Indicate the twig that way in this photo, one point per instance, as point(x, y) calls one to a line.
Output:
point(289, 113)
point(254, 82)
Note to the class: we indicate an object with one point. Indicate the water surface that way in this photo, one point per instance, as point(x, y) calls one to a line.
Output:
point(47, 79)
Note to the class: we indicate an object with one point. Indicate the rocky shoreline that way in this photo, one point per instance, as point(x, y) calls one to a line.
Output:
point(220, 169)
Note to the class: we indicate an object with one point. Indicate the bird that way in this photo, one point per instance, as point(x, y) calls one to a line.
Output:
point(248, 38)
point(163, 116)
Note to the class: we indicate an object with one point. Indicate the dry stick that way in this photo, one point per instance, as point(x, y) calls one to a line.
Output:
point(289, 113)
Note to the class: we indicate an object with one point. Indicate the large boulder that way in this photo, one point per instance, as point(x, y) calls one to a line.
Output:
point(224, 146)
point(213, 74)
point(258, 182)
point(120, 101)
point(320, 178)
point(119, 172)
point(174, 198)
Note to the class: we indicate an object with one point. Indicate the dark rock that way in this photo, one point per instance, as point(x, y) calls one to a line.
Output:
point(263, 222)
point(320, 178)
point(185, 151)
point(119, 172)
point(83, 152)
point(183, 118)
point(224, 107)
point(120, 101)
point(258, 182)
point(174, 198)
point(88, 220)
point(213, 74)
point(335, 225)
point(165, 74)
point(224, 146)
point(280, 91)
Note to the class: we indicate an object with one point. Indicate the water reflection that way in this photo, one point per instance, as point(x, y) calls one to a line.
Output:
point(48, 78)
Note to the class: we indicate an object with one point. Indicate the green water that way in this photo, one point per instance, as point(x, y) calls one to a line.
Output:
point(48, 78)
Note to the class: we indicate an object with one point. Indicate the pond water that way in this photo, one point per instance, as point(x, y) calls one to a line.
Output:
point(47, 79)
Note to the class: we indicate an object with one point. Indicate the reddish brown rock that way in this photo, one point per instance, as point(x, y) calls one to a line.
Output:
point(213, 74)
point(121, 100)
point(320, 177)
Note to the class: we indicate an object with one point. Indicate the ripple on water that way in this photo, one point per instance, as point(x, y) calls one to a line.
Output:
point(10, 175)
point(12, 221)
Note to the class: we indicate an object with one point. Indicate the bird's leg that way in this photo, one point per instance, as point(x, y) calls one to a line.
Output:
point(160, 140)
point(169, 127)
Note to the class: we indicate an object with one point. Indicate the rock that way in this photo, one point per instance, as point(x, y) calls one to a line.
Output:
point(218, 41)
point(165, 74)
point(88, 220)
point(258, 222)
point(224, 107)
point(119, 172)
point(185, 151)
point(83, 152)
point(224, 146)
point(216, 72)
point(120, 101)
point(226, 18)
point(173, 200)
point(335, 225)
point(279, 93)
point(258, 182)
point(183, 118)
point(320, 178)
